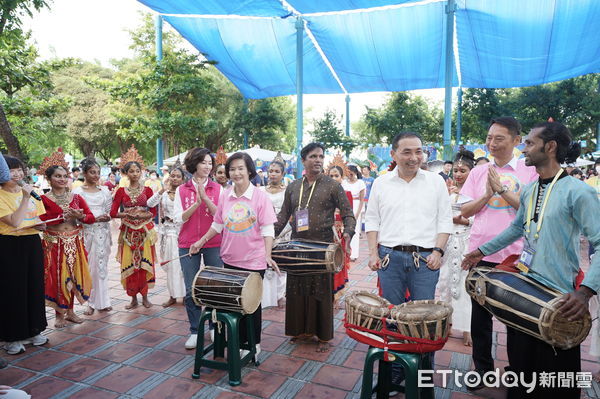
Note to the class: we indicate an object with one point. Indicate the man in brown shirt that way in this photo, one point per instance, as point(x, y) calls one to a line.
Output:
point(309, 298)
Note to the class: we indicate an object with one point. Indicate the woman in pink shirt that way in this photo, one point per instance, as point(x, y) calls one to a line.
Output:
point(245, 219)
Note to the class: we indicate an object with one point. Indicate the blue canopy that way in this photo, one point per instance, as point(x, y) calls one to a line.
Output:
point(384, 45)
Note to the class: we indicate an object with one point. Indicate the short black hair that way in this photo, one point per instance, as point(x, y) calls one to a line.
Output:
point(576, 172)
point(13, 163)
point(403, 135)
point(481, 159)
point(510, 123)
point(354, 169)
point(129, 164)
point(247, 160)
point(75, 169)
point(448, 162)
point(89, 163)
point(567, 151)
point(114, 169)
point(50, 171)
point(310, 147)
point(195, 156)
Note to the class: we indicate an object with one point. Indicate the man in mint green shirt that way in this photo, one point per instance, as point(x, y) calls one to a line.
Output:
point(553, 212)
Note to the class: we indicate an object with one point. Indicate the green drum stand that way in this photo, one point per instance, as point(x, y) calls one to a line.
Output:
point(230, 325)
point(410, 362)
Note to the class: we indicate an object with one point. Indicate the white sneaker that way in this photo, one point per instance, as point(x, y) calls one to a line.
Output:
point(14, 348)
point(212, 335)
point(191, 341)
point(244, 352)
point(38, 340)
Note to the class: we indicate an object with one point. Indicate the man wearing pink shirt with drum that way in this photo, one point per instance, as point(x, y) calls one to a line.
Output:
point(245, 218)
point(495, 188)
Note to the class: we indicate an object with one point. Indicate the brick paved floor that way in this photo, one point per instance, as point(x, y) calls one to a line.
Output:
point(139, 354)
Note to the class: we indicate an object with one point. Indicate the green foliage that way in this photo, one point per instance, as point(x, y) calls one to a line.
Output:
point(328, 130)
point(12, 11)
point(401, 112)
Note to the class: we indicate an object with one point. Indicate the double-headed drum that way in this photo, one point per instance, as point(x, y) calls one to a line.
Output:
point(366, 310)
point(226, 289)
point(425, 319)
point(305, 256)
point(526, 305)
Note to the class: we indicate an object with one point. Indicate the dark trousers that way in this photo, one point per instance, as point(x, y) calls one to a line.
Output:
point(256, 316)
point(481, 333)
point(530, 355)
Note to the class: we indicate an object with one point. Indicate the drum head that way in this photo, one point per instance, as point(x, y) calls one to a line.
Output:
point(369, 299)
point(427, 310)
point(252, 293)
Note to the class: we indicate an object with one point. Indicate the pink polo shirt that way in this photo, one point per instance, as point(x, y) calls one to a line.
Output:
point(497, 214)
point(244, 221)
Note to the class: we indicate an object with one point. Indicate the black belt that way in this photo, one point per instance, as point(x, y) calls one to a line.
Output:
point(411, 248)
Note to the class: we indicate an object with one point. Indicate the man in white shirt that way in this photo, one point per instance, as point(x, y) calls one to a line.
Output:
point(409, 212)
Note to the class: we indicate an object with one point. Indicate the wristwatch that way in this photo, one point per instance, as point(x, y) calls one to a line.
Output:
point(504, 189)
point(440, 250)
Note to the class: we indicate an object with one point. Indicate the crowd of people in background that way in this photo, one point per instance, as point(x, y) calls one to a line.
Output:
point(225, 212)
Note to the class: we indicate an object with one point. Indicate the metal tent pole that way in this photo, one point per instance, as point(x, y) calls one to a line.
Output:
point(245, 128)
point(159, 55)
point(459, 117)
point(449, 59)
point(347, 122)
point(299, 92)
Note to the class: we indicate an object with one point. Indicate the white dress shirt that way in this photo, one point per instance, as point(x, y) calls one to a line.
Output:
point(409, 213)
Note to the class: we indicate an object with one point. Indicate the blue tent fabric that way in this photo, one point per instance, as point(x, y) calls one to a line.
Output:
point(258, 56)
point(386, 45)
point(523, 43)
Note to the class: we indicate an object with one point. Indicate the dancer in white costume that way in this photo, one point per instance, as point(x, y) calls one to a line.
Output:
point(169, 233)
point(96, 236)
point(451, 284)
point(273, 284)
point(357, 187)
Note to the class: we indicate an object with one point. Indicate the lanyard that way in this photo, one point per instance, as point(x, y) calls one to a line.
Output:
point(530, 208)
point(309, 195)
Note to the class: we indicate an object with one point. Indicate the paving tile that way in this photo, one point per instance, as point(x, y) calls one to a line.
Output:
point(271, 342)
point(175, 388)
point(178, 346)
point(43, 360)
point(501, 353)
point(46, 387)
point(91, 393)
point(114, 332)
point(179, 327)
point(158, 324)
point(208, 376)
point(315, 391)
point(83, 345)
point(274, 314)
point(123, 379)
point(81, 369)
point(260, 384)
point(12, 376)
point(149, 338)
point(120, 318)
point(280, 364)
point(356, 360)
point(177, 313)
point(309, 351)
point(158, 360)
point(442, 358)
point(120, 352)
point(233, 395)
point(57, 337)
point(337, 377)
point(87, 327)
point(277, 329)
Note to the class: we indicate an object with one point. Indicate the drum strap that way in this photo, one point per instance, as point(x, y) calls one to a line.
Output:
point(215, 321)
point(543, 210)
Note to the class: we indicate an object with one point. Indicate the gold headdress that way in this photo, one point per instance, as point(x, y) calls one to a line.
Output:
point(221, 158)
point(131, 155)
point(279, 158)
point(338, 160)
point(56, 158)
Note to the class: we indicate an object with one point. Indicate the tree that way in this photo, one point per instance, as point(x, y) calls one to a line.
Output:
point(478, 108)
point(87, 121)
point(15, 58)
point(328, 131)
point(401, 112)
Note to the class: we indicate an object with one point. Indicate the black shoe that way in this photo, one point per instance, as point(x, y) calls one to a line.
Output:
point(3, 363)
point(473, 388)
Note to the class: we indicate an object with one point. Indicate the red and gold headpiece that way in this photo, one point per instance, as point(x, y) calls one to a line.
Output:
point(57, 158)
point(338, 160)
point(221, 158)
point(131, 155)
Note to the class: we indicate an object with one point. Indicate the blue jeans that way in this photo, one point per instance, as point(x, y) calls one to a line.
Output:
point(401, 274)
point(190, 266)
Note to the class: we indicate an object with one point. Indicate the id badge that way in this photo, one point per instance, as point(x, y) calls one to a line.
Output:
point(526, 258)
point(302, 220)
